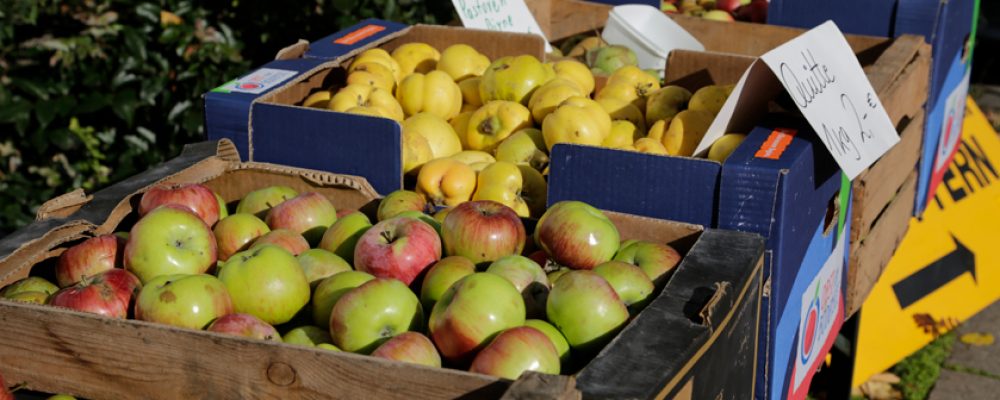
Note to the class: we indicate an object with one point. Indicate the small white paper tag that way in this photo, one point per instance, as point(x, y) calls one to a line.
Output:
point(499, 15)
point(822, 75)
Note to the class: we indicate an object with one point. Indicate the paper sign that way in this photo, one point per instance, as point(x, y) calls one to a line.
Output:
point(499, 15)
point(822, 75)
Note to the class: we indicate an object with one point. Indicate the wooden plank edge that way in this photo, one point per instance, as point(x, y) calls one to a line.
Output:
point(870, 256)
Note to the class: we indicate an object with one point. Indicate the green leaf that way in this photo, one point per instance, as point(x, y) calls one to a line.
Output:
point(93, 102)
point(124, 105)
point(18, 110)
point(149, 11)
point(30, 87)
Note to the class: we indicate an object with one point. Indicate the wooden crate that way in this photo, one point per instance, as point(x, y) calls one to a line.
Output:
point(701, 319)
point(899, 70)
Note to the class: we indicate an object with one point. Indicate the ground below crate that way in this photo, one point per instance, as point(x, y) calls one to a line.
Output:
point(972, 371)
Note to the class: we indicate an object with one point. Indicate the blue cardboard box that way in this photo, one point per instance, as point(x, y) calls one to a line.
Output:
point(783, 185)
point(261, 113)
point(946, 24)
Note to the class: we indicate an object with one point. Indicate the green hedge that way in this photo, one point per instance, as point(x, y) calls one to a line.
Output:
point(95, 91)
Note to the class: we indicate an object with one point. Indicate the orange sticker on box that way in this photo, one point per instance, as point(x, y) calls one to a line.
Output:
point(360, 34)
point(776, 143)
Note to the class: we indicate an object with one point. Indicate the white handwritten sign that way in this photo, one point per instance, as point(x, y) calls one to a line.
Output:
point(499, 15)
point(822, 76)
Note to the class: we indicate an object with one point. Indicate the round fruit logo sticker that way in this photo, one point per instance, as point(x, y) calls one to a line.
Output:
point(808, 331)
point(250, 85)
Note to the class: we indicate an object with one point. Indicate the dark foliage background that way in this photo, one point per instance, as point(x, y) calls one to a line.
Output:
point(94, 91)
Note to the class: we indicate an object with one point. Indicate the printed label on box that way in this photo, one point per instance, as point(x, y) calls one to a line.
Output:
point(820, 312)
point(776, 143)
point(257, 82)
point(361, 34)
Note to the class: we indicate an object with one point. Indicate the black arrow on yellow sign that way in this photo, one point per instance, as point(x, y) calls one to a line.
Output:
point(932, 277)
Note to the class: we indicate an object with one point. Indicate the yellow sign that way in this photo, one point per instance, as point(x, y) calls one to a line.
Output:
point(945, 269)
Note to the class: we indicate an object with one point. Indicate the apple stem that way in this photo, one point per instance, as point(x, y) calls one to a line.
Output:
point(388, 236)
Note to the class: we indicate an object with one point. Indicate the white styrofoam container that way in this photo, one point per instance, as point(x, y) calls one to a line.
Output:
point(649, 33)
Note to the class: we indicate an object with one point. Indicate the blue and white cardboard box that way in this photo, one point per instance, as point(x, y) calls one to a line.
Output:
point(946, 24)
point(261, 112)
point(784, 185)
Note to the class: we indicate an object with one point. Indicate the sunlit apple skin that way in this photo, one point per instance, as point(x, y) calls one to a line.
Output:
point(515, 351)
point(632, 285)
point(307, 335)
point(529, 279)
point(370, 314)
point(308, 214)
point(223, 208)
point(318, 264)
point(410, 347)
point(471, 312)
point(343, 235)
point(427, 219)
point(88, 258)
point(399, 248)
point(290, 241)
point(482, 231)
point(576, 235)
point(29, 297)
point(266, 282)
point(169, 240)
point(236, 232)
point(657, 260)
point(329, 290)
point(260, 201)
point(246, 325)
point(400, 201)
point(557, 338)
point(441, 276)
point(29, 284)
point(108, 293)
point(586, 310)
point(198, 198)
point(188, 301)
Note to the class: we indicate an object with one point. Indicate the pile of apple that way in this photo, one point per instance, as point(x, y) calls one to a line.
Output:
point(464, 285)
point(719, 10)
point(473, 129)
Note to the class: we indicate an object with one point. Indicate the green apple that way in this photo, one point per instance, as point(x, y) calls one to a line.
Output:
point(29, 284)
point(343, 235)
point(190, 301)
point(632, 285)
point(169, 240)
point(292, 242)
point(29, 297)
point(398, 202)
point(266, 282)
point(246, 325)
point(586, 309)
point(328, 346)
point(319, 264)
point(370, 314)
point(429, 220)
point(329, 290)
point(410, 347)
point(557, 339)
point(577, 235)
point(529, 279)
point(309, 214)
point(259, 202)
point(472, 311)
point(656, 260)
point(554, 275)
point(223, 208)
point(441, 276)
point(307, 335)
point(236, 232)
point(515, 351)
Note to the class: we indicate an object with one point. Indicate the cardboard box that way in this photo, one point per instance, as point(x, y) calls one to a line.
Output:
point(705, 192)
point(267, 124)
point(945, 24)
point(898, 70)
point(703, 320)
